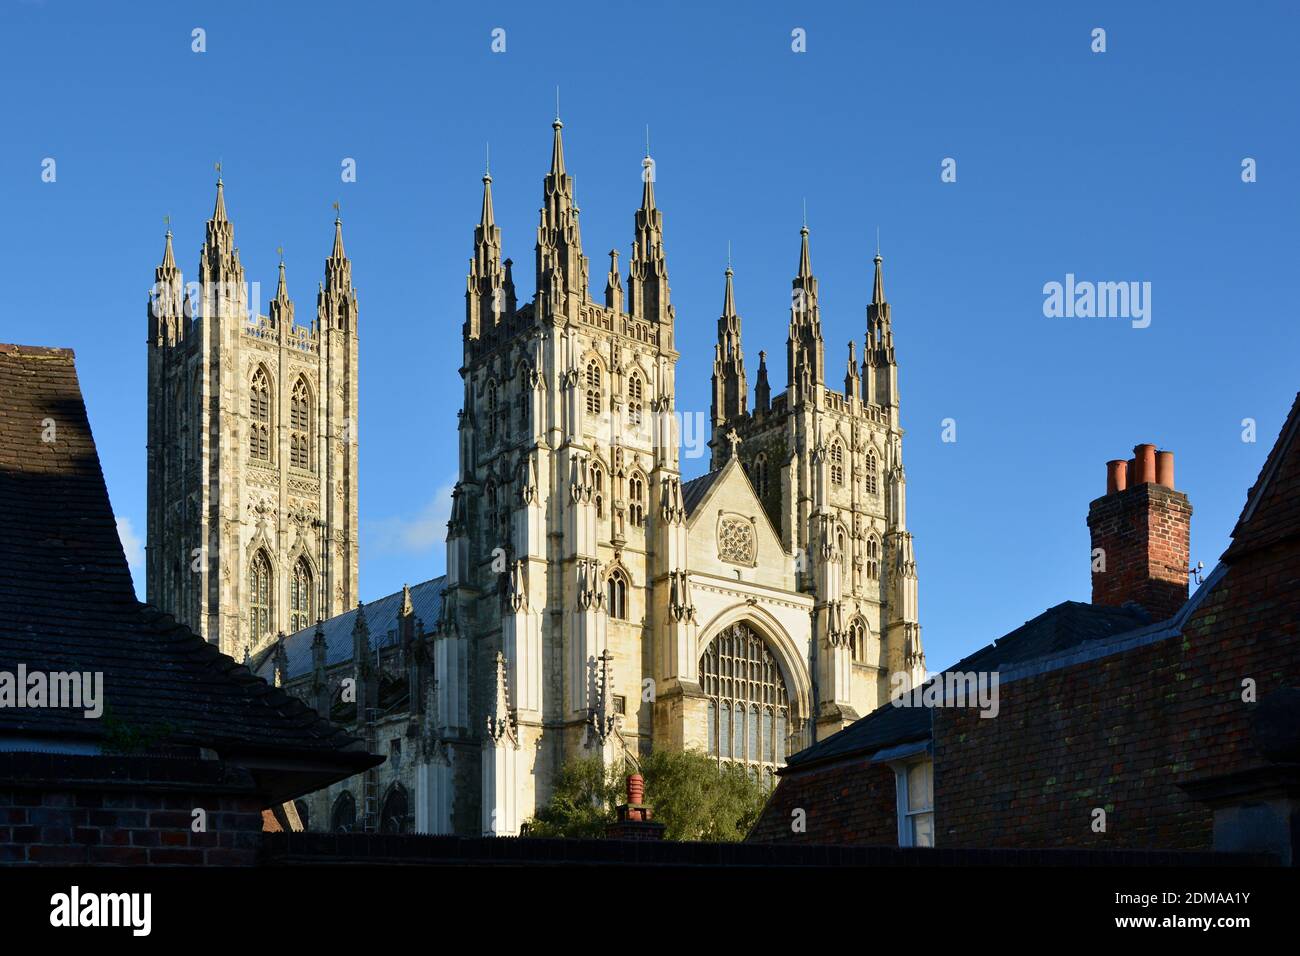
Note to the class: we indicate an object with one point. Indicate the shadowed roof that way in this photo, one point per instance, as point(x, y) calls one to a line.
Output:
point(67, 604)
point(381, 621)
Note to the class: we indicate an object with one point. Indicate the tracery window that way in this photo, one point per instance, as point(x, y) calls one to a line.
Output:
point(837, 463)
point(593, 388)
point(259, 414)
point(598, 489)
point(261, 596)
point(736, 540)
point(634, 401)
point(616, 587)
point(873, 557)
point(300, 596)
point(636, 496)
point(491, 424)
point(871, 472)
point(858, 640)
point(749, 719)
point(300, 426)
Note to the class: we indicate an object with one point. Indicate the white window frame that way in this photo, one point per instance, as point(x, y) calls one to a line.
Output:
point(903, 814)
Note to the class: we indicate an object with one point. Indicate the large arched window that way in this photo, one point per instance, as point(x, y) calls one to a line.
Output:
point(343, 818)
point(634, 400)
point(749, 719)
point(259, 416)
point(300, 596)
point(300, 425)
point(636, 499)
point(593, 388)
point(616, 591)
point(261, 591)
point(871, 473)
point(837, 463)
point(396, 815)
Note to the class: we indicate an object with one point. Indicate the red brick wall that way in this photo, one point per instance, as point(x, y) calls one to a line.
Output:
point(1123, 731)
point(1144, 532)
point(845, 802)
point(133, 817)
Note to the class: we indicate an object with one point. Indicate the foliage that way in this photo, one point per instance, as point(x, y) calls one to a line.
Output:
point(694, 797)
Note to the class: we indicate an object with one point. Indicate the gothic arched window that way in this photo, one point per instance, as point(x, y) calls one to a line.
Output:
point(634, 400)
point(598, 489)
point(300, 596)
point(858, 640)
point(871, 473)
point(873, 557)
point(300, 425)
point(748, 711)
point(616, 587)
point(593, 388)
point(760, 474)
point(259, 415)
point(396, 815)
point(636, 496)
point(837, 463)
point(261, 592)
point(490, 426)
point(343, 818)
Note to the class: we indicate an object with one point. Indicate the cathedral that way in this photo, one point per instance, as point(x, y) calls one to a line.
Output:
point(595, 601)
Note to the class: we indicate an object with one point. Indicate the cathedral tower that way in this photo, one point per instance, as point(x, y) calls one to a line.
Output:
point(252, 454)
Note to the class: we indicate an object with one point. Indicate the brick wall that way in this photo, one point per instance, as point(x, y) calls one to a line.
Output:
point(1144, 534)
point(846, 802)
point(59, 809)
point(1123, 731)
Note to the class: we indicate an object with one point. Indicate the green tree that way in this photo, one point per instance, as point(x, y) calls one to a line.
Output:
point(694, 797)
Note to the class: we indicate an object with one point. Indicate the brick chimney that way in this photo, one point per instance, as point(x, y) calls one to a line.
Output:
point(634, 821)
point(1140, 535)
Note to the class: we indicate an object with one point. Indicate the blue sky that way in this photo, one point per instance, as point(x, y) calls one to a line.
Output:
point(1115, 166)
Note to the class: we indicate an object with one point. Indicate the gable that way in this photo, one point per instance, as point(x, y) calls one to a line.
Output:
point(728, 530)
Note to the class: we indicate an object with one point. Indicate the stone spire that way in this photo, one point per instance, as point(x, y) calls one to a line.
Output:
point(613, 284)
point(561, 266)
point(336, 302)
point(319, 683)
point(806, 361)
point(219, 253)
point(730, 389)
point(879, 366)
point(167, 299)
point(648, 292)
point(281, 307)
point(485, 298)
point(851, 380)
point(762, 389)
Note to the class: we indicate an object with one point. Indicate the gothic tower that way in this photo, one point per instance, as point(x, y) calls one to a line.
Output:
point(550, 563)
point(828, 468)
point(252, 454)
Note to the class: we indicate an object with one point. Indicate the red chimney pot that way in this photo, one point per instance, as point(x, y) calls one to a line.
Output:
point(1116, 475)
point(1165, 469)
point(1145, 456)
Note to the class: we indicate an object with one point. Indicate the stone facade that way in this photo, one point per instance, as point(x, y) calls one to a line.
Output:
point(252, 458)
point(597, 603)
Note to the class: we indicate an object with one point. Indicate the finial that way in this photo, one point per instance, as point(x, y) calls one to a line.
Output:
point(487, 165)
point(804, 230)
point(167, 221)
point(338, 212)
point(729, 257)
point(218, 168)
point(557, 124)
point(280, 251)
point(647, 140)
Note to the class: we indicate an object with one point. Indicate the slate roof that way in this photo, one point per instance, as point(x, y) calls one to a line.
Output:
point(67, 603)
point(381, 621)
point(693, 491)
point(1068, 625)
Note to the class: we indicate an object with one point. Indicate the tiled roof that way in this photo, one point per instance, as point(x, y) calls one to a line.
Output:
point(1068, 625)
point(67, 603)
point(693, 491)
point(381, 621)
